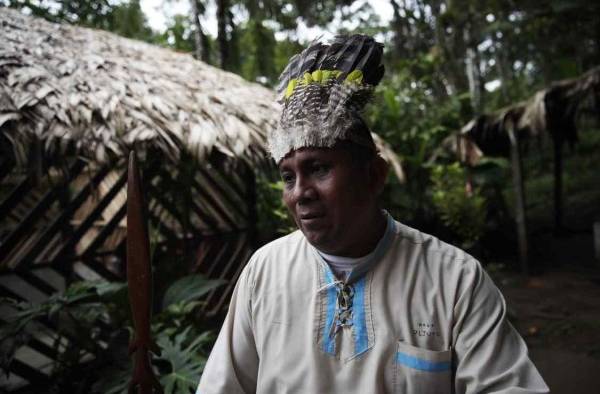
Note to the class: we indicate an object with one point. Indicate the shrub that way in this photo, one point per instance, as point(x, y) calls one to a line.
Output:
point(461, 206)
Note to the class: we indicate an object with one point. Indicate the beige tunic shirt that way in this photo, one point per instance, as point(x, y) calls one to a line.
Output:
point(425, 319)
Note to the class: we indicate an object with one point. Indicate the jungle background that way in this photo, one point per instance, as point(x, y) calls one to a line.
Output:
point(447, 61)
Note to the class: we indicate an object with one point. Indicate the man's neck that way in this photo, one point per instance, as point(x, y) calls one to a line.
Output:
point(342, 266)
point(369, 240)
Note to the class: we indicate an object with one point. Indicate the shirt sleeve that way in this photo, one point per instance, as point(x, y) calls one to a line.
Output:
point(489, 354)
point(232, 366)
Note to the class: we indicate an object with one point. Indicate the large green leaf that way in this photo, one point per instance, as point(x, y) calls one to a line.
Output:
point(186, 362)
point(189, 288)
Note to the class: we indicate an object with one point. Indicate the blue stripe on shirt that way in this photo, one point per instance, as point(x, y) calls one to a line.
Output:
point(420, 364)
point(359, 321)
point(328, 340)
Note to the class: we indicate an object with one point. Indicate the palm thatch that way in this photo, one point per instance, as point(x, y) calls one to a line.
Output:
point(550, 112)
point(101, 93)
point(96, 92)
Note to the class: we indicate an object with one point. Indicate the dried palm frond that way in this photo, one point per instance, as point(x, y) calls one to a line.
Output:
point(100, 94)
point(550, 112)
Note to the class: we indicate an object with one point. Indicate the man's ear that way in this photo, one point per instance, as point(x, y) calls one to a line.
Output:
point(379, 169)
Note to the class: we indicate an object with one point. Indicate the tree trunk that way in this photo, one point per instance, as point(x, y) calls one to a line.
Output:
point(472, 69)
point(502, 67)
point(222, 6)
point(451, 53)
point(398, 30)
point(198, 35)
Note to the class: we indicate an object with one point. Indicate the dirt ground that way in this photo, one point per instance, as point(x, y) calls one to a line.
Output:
point(558, 314)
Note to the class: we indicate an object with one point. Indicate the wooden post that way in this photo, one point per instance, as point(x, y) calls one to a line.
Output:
point(558, 184)
point(597, 241)
point(252, 215)
point(139, 284)
point(517, 175)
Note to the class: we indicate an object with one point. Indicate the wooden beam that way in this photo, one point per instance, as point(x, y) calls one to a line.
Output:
point(6, 167)
point(214, 205)
point(225, 194)
point(43, 348)
point(25, 225)
point(99, 268)
point(36, 282)
point(105, 232)
point(218, 258)
point(28, 373)
point(226, 292)
point(51, 326)
point(156, 222)
point(233, 259)
point(234, 182)
point(61, 220)
point(202, 214)
point(89, 221)
point(15, 196)
point(159, 198)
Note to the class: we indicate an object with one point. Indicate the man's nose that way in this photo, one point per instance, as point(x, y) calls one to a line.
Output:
point(304, 190)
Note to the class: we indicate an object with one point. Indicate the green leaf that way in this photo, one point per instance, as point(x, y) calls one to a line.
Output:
point(186, 362)
point(109, 288)
point(189, 288)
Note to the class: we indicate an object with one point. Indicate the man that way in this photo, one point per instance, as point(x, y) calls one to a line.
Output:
point(355, 302)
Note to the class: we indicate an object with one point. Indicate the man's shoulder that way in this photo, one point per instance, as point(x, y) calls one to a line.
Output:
point(280, 251)
point(280, 245)
point(433, 250)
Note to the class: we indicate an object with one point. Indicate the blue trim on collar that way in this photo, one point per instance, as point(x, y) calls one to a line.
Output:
point(359, 321)
point(328, 340)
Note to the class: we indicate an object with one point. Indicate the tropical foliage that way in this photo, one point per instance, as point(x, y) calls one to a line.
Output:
point(446, 62)
point(460, 205)
point(90, 313)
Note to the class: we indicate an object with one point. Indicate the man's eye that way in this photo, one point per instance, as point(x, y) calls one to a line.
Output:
point(287, 179)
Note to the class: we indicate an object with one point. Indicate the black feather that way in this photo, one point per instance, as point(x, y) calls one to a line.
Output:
point(345, 54)
point(285, 76)
point(299, 64)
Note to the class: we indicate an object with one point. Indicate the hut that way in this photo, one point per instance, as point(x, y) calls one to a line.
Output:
point(551, 113)
point(73, 103)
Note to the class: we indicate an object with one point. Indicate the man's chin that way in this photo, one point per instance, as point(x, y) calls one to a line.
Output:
point(318, 239)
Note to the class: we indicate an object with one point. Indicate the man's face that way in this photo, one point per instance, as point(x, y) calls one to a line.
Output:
point(329, 198)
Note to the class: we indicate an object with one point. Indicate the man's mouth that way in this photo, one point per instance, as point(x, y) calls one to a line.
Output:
point(310, 216)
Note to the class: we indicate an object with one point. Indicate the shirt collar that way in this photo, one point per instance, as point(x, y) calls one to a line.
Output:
point(361, 265)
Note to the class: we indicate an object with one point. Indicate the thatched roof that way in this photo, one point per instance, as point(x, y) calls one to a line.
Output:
point(101, 93)
point(549, 112)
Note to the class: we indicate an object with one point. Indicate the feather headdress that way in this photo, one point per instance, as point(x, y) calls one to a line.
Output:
point(323, 90)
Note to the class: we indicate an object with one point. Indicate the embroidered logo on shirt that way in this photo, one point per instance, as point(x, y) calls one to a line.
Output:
point(426, 330)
